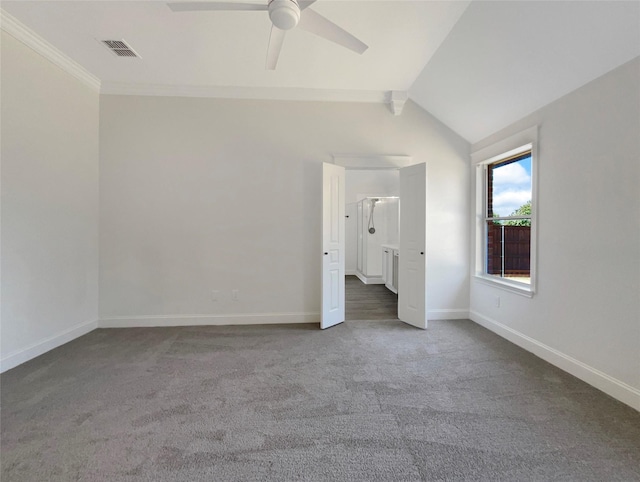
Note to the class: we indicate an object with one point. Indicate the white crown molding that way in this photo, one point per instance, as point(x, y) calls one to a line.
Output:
point(255, 93)
point(372, 161)
point(24, 34)
point(396, 101)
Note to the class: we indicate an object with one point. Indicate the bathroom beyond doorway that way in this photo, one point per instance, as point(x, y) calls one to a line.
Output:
point(368, 301)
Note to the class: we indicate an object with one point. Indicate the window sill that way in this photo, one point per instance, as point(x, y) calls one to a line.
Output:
point(511, 286)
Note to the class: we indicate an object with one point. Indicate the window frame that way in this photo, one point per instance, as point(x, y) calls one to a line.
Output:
point(508, 148)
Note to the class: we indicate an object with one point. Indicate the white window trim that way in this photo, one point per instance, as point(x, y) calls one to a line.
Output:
point(513, 145)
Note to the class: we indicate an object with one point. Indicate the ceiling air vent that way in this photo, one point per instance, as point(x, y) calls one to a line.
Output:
point(120, 48)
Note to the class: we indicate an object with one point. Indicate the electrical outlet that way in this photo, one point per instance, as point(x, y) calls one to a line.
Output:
point(235, 295)
point(497, 301)
point(215, 294)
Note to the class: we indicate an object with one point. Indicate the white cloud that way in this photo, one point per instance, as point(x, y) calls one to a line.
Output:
point(511, 175)
point(511, 188)
point(506, 202)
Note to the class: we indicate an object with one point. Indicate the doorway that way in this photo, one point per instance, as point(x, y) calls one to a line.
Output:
point(411, 263)
point(372, 228)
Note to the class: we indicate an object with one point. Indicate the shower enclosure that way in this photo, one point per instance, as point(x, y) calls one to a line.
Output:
point(377, 225)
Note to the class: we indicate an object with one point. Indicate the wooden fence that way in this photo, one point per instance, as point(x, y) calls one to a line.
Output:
point(508, 250)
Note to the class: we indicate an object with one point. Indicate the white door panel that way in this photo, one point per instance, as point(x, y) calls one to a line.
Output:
point(333, 245)
point(412, 259)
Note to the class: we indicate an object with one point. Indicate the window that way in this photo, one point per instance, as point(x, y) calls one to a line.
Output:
point(508, 218)
point(505, 236)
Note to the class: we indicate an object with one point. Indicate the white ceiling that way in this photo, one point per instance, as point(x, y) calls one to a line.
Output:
point(505, 60)
point(229, 48)
point(477, 67)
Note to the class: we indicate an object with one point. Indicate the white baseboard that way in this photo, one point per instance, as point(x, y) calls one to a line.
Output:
point(20, 356)
point(600, 380)
point(350, 272)
point(370, 280)
point(447, 314)
point(199, 320)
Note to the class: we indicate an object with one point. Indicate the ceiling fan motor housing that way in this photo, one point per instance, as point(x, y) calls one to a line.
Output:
point(285, 14)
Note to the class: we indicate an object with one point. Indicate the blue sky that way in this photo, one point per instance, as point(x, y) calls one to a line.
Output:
point(511, 186)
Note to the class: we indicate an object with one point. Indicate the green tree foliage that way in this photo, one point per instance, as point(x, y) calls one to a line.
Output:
point(524, 210)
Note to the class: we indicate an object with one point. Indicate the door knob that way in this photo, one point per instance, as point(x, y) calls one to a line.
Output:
point(326, 254)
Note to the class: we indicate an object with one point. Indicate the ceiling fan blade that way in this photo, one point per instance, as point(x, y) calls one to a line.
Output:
point(305, 3)
point(210, 6)
point(313, 22)
point(275, 45)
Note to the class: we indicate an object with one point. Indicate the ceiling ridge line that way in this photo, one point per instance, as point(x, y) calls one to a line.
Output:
point(24, 34)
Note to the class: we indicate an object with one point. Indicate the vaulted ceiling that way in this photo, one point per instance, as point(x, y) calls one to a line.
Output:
point(504, 60)
point(477, 66)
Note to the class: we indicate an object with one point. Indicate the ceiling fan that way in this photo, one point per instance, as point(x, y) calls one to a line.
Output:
point(284, 15)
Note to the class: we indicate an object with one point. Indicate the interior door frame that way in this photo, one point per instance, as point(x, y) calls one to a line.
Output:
point(372, 163)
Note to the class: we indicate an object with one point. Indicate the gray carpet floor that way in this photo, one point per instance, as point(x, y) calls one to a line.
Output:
point(363, 401)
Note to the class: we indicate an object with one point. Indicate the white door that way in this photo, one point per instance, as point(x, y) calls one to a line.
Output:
point(333, 245)
point(412, 258)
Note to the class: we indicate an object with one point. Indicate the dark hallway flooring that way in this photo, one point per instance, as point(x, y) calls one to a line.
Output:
point(369, 302)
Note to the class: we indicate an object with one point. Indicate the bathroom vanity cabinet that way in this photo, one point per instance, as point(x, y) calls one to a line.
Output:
point(390, 255)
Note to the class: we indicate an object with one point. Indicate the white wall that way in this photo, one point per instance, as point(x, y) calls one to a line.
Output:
point(585, 316)
point(204, 194)
point(49, 205)
point(361, 183)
